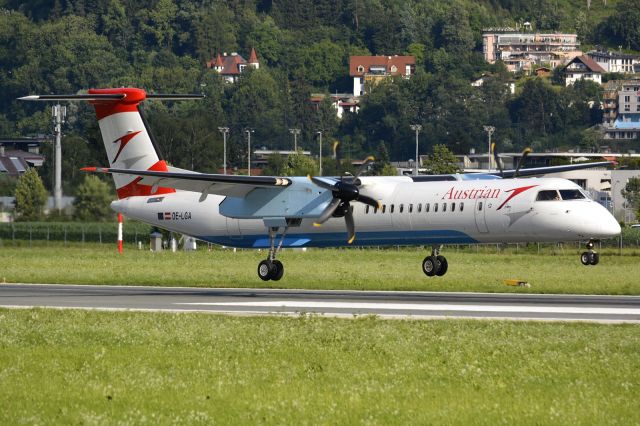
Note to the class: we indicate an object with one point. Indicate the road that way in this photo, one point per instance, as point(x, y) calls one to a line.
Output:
point(421, 305)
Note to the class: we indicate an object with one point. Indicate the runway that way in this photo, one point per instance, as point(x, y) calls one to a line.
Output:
point(419, 305)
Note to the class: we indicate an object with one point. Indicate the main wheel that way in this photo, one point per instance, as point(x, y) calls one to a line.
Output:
point(443, 265)
point(265, 268)
point(594, 258)
point(430, 266)
point(277, 271)
point(585, 258)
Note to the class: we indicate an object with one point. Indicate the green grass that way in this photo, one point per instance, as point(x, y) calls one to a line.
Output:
point(79, 367)
point(355, 269)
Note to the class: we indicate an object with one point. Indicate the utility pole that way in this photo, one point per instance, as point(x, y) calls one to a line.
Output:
point(416, 128)
point(295, 133)
point(489, 130)
point(319, 132)
point(249, 131)
point(59, 114)
point(224, 131)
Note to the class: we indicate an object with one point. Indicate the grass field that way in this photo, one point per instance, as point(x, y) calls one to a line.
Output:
point(80, 367)
point(558, 271)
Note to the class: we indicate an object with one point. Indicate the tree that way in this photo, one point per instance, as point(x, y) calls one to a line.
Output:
point(441, 161)
point(31, 197)
point(93, 198)
point(631, 193)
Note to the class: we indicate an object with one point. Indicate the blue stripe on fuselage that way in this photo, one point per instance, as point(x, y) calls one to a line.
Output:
point(336, 239)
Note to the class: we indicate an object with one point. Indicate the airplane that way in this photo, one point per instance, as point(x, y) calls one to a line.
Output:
point(274, 212)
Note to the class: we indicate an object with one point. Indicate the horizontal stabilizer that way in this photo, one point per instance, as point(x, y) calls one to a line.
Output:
point(109, 96)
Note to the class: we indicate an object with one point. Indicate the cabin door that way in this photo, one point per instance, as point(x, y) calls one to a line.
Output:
point(480, 215)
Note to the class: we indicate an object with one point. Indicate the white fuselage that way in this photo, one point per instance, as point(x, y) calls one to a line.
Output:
point(425, 213)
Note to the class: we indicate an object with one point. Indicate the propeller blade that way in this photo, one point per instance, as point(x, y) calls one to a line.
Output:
point(351, 228)
point(321, 183)
point(521, 162)
point(368, 200)
point(365, 163)
point(328, 212)
point(496, 157)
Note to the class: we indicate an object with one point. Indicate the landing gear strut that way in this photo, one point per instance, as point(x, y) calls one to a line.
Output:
point(271, 268)
point(590, 257)
point(435, 264)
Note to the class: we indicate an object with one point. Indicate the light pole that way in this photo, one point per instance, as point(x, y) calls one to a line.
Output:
point(59, 113)
point(416, 128)
point(224, 131)
point(319, 132)
point(295, 133)
point(249, 131)
point(489, 130)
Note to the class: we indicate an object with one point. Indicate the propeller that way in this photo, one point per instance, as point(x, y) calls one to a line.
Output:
point(521, 162)
point(496, 157)
point(344, 192)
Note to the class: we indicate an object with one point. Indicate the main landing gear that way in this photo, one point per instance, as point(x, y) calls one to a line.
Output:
point(271, 268)
point(590, 257)
point(435, 264)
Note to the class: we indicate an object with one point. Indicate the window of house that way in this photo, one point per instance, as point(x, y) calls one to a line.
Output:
point(360, 68)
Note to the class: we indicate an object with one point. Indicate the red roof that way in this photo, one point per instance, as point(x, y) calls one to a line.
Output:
point(361, 65)
point(588, 62)
point(253, 58)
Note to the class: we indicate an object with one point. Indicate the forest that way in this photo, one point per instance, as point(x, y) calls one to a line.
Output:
point(69, 46)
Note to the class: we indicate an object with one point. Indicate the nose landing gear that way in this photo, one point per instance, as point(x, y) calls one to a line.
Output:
point(590, 257)
point(435, 264)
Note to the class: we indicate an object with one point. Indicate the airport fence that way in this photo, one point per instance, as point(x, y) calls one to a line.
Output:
point(84, 232)
point(134, 232)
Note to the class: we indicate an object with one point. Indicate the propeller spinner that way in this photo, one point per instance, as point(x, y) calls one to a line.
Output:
point(343, 193)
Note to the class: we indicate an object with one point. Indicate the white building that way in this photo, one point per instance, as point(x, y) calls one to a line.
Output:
point(614, 61)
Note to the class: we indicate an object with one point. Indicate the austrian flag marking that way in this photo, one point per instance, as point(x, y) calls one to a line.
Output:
point(164, 215)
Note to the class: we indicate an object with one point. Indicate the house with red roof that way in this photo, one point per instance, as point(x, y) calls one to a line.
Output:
point(231, 66)
point(583, 67)
point(368, 70)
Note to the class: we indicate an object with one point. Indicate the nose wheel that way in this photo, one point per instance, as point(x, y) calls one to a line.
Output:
point(435, 264)
point(590, 257)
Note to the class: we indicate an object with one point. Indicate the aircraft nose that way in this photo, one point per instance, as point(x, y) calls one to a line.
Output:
point(610, 227)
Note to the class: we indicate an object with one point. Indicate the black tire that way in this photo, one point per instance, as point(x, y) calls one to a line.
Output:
point(585, 258)
point(278, 270)
point(265, 269)
point(443, 265)
point(430, 266)
point(595, 258)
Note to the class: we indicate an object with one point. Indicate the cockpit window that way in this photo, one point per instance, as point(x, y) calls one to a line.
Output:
point(571, 194)
point(548, 195)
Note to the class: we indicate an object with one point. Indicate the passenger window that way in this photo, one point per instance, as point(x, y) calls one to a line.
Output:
point(366, 210)
point(410, 208)
point(419, 207)
point(453, 207)
point(401, 208)
point(461, 206)
point(435, 207)
point(384, 208)
point(426, 208)
point(444, 207)
point(548, 195)
point(479, 206)
point(571, 194)
point(375, 210)
point(392, 208)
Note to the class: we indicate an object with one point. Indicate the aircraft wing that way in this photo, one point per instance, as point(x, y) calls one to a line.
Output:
point(536, 171)
point(205, 183)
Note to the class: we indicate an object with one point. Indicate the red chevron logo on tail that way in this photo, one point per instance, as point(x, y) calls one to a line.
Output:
point(124, 140)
